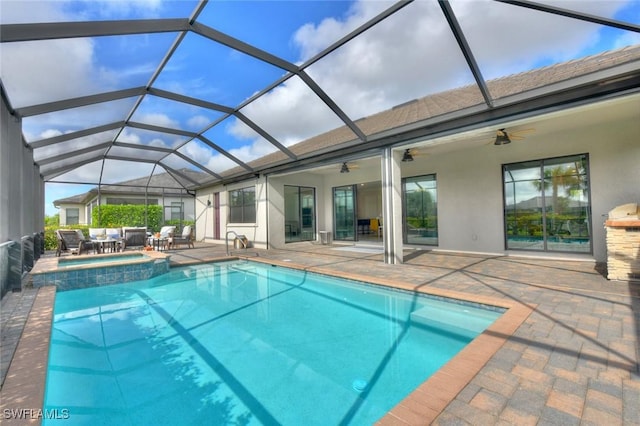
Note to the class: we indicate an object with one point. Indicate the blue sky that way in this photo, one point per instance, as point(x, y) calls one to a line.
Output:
point(409, 55)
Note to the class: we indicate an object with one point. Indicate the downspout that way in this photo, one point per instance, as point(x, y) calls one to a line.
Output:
point(146, 198)
point(100, 193)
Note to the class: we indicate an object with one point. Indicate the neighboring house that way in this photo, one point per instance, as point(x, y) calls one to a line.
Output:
point(162, 189)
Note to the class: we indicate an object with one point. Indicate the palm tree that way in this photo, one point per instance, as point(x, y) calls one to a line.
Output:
point(560, 176)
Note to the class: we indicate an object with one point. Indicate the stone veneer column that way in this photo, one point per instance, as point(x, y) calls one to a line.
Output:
point(623, 249)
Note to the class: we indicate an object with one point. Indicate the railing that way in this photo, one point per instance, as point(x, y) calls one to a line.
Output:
point(240, 238)
point(27, 253)
point(10, 266)
point(17, 259)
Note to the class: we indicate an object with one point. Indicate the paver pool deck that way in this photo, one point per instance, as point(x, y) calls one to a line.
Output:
point(572, 357)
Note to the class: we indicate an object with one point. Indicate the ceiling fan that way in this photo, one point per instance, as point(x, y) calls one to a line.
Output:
point(410, 153)
point(503, 137)
point(347, 167)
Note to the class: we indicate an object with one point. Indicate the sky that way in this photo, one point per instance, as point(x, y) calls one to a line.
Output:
point(409, 55)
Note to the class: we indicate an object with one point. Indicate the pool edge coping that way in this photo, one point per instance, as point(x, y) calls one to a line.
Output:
point(24, 385)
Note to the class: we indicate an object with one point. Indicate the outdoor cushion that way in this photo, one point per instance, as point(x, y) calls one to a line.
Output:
point(113, 233)
point(95, 232)
point(167, 231)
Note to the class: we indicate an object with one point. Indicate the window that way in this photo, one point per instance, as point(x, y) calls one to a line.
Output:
point(73, 216)
point(547, 205)
point(177, 209)
point(420, 210)
point(242, 205)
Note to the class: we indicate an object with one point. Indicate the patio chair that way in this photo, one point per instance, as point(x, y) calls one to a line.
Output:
point(161, 240)
point(134, 238)
point(185, 238)
point(167, 231)
point(73, 241)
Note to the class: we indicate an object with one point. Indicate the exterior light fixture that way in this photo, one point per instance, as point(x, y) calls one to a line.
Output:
point(407, 156)
point(344, 168)
point(502, 138)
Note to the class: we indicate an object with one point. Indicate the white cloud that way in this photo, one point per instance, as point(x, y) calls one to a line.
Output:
point(123, 8)
point(413, 53)
point(50, 133)
point(72, 145)
point(38, 66)
point(158, 142)
point(129, 136)
point(20, 12)
point(409, 55)
point(198, 122)
point(159, 119)
point(290, 113)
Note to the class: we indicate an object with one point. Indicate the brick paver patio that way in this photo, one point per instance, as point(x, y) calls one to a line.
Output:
point(573, 361)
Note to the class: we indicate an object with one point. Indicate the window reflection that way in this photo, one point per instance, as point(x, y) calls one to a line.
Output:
point(421, 210)
point(547, 205)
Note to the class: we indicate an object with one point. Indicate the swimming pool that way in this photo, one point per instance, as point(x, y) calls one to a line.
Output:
point(242, 342)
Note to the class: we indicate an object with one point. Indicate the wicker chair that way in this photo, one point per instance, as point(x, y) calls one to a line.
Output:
point(185, 238)
point(73, 241)
point(134, 238)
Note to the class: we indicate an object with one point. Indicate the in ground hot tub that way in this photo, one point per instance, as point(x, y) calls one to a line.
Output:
point(68, 273)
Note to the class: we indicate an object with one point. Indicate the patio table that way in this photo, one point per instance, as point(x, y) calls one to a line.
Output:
point(102, 245)
point(159, 243)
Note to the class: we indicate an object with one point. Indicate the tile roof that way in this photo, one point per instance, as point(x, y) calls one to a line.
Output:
point(455, 100)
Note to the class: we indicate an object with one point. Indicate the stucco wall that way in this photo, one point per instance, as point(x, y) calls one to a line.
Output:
point(469, 178)
point(470, 200)
point(256, 232)
point(276, 204)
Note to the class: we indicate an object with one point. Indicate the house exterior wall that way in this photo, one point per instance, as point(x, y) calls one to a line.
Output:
point(470, 194)
point(82, 213)
point(335, 179)
point(256, 233)
point(205, 213)
point(470, 183)
point(276, 210)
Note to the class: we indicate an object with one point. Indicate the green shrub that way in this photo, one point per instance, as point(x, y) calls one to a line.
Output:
point(50, 239)
point(133, 215)
point(115, 216)
point(179, 225)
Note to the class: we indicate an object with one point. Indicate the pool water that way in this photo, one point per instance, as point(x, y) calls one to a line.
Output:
point(246, 343)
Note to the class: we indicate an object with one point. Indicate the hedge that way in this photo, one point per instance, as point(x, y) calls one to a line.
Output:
point(116, 216)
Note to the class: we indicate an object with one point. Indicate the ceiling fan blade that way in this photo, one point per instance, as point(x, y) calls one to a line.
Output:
point(521, 131)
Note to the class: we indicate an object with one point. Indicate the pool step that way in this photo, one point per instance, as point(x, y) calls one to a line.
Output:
point(458, 320)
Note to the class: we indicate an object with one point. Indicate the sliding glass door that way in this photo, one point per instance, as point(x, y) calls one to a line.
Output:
point(299, 213)
point(344, 213)
point(420, 198)
point(547, 205)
